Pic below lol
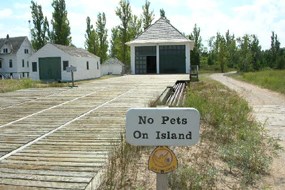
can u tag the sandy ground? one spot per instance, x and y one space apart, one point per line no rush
269 109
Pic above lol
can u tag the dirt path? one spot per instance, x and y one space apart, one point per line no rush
268 108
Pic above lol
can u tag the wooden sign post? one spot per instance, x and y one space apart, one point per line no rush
71 69
162 127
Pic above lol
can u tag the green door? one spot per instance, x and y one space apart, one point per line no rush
172 59
50 68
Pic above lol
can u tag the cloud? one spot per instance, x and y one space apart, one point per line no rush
202 6
5 13
258 17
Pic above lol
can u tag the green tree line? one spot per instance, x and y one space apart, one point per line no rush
241 53
223 52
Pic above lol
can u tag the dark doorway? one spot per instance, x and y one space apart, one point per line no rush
151 64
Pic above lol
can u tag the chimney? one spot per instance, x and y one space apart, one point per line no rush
7 37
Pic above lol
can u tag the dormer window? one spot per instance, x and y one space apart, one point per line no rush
26 51
5 50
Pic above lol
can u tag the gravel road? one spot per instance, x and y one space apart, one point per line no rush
268 108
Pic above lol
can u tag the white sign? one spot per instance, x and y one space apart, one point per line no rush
71 69
163 126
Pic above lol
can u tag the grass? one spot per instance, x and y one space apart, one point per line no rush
270 79
121 164
229 135
13 84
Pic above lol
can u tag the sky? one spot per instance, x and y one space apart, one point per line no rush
240 17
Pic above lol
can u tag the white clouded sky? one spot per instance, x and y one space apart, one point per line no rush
259 17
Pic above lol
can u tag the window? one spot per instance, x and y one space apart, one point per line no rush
26 51
5 50
10 63
0 63
65 64
23 63
87 65
28 64
34 67
97 65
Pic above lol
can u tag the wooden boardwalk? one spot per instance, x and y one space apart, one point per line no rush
60 138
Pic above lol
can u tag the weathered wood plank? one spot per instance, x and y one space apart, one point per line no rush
48 172
48 178
47 163
47 184
29 166
60 159
55 152
16 187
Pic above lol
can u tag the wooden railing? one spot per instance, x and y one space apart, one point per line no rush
173 96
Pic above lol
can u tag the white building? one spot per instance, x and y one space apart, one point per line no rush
161 48
50 63
14 54
112 66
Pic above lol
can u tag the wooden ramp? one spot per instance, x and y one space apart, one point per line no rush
61 138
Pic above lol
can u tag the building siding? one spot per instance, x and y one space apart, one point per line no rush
82 73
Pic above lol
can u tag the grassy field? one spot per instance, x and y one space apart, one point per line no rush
231 142
233 153
12 84
270 79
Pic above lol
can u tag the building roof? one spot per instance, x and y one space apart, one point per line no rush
73 51
160 32
15 42
113 61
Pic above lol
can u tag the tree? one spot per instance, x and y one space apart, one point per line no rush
147 16
115 42
162 13
40 32
101 32
231 48
281 60
211 55
91 42
274 50
245 53
134 27
61 30
125 14
222 57
197 50
256 53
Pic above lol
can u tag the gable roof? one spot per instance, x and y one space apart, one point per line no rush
160 32
73 51
15 42
113 61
